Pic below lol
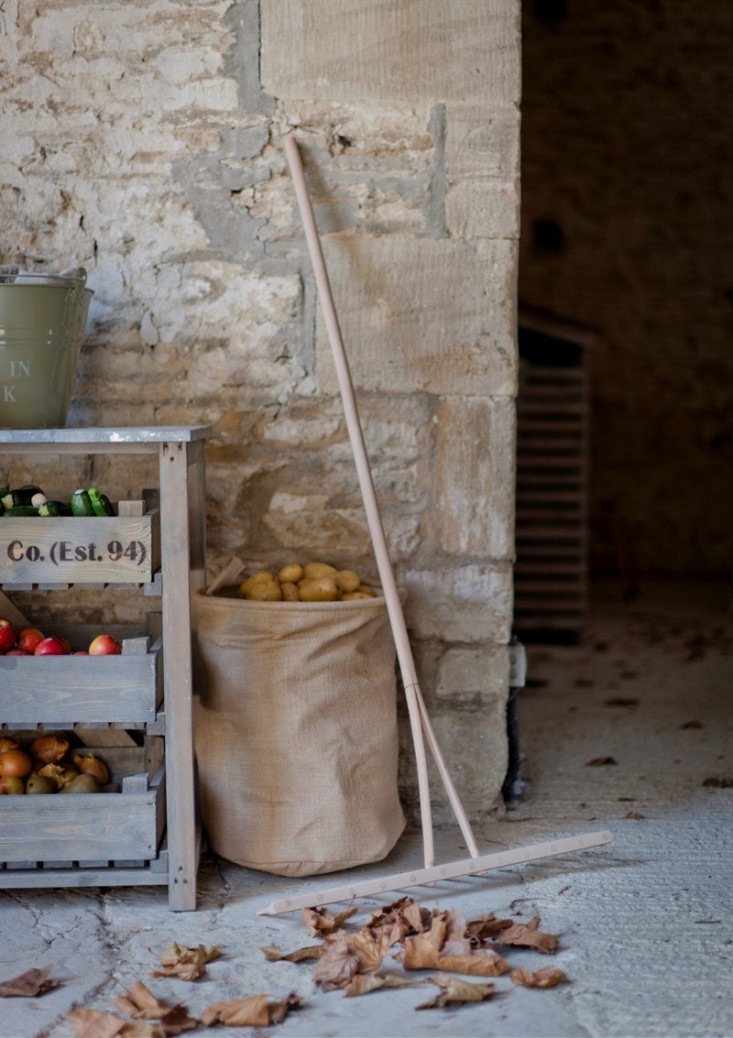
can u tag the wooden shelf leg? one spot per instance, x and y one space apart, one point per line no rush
178 677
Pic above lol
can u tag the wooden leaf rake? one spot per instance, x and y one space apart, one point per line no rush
420 726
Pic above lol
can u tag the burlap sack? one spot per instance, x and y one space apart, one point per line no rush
296 733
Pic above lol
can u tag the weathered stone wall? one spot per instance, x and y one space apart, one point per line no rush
144 141
626 166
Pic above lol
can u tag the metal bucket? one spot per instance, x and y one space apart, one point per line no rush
42 324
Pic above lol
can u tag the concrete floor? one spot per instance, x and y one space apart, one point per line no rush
645 924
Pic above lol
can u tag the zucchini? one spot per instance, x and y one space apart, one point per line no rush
23 496
81 504
100 502
21 512
53 508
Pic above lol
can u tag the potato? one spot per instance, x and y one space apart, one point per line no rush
291 573
318 569
256 578
265 591
354 596
347 580
290 592
369 592
318 589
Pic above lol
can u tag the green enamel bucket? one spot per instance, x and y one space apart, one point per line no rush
42 324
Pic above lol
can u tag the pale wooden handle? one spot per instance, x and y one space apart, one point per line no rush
416 706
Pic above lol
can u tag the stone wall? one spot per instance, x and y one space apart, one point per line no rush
626 203
143 140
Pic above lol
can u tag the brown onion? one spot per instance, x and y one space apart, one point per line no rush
50 748
15 762
7 743
91 765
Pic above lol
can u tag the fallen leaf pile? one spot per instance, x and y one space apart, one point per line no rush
353 960
346 959
141 1005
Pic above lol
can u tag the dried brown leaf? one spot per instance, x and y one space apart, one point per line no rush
91 1023
634 815
599 762
320 920
182 971
486 926
141 1004
456 992
201 954
529 935
420 954
31 984
542 978
347 955
310 951
364 983
401 919
255 1011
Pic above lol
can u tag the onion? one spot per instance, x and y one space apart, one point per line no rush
15 762
92 765
7 743
54 772
49 748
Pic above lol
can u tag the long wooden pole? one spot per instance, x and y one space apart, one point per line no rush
419 719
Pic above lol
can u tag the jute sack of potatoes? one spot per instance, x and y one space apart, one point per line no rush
296 732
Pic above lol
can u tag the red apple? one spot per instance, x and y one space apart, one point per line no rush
52 646
29 638
105 645
12 784
18 652
80 652
7 635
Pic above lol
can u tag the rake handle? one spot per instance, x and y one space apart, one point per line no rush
416 707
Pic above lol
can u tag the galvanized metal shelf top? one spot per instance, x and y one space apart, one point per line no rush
112 436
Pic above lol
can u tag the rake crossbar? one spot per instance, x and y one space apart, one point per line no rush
451 870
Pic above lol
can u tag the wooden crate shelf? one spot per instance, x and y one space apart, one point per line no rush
147 832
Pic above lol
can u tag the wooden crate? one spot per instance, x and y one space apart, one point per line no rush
110 550
63 830
63 690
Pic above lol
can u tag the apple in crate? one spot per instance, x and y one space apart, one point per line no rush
29 638
52 646
7 635
104 645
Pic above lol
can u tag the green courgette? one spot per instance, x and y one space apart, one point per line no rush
54 508
27 495
81 504
100 502
20 512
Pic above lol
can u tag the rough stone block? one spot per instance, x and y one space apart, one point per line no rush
473 744
473 477
391 49
481 141
468 673
483 209
403 333
466 603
